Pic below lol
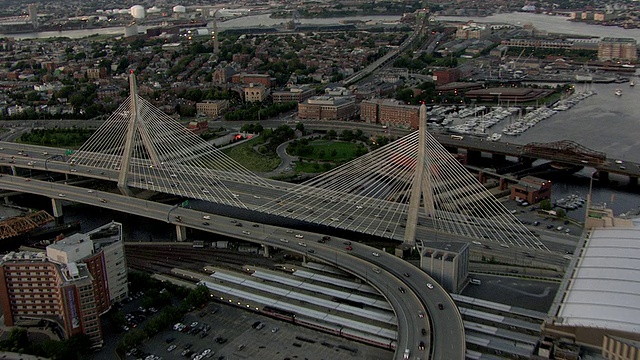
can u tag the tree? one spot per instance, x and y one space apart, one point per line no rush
546 204
300 127
332 134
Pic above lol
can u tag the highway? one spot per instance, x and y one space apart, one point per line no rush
445 330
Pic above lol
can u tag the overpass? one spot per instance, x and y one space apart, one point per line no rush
564 152
445 339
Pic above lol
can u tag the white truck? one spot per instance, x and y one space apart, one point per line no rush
407 354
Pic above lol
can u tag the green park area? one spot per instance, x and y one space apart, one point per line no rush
323 154
253 155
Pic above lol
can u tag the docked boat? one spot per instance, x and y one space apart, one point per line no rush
618 92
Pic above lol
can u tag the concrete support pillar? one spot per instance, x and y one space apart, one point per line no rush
266 250
56 205
181 233
13 170
633 180
499 158
6 200
473 157
482 178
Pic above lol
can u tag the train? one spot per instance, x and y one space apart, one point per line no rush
334 329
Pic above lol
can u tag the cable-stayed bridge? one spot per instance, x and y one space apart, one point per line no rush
387 192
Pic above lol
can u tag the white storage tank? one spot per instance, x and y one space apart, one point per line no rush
137 11
179 9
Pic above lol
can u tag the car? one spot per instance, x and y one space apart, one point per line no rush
90 191
206 217
205 223
504 246
238 224
430 285
424 331
421 345
536 223
617 161
171 348
476 242
567 257
302 244
173 175
275 330
300 236
401 289
326 238
440 306
62 195
376 270
289 231
246 232
103 200
311 251
284 240
375 254
255 225
420 314
233 221
358 207
406 274
349 248
550 226
486 247
256 196
347 242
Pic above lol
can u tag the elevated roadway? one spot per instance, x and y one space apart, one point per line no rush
445 338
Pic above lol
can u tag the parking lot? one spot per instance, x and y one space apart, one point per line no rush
238 339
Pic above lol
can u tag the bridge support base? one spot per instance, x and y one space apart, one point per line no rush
473 157
482 178
13 170
56 206
267 251
503 184
181 233
6 200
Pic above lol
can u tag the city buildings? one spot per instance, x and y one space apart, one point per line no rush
69 286
617 49
389 112
327 108
212 107
255 93
296 93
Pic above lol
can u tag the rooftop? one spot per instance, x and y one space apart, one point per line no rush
604 291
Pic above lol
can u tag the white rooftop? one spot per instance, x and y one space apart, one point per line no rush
605 289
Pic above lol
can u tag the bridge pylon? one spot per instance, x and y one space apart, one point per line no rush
421 190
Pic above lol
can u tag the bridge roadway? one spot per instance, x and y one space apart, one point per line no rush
254 197
626 168
445 338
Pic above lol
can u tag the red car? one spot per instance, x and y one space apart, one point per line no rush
349 248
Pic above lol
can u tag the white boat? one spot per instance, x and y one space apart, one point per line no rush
618 92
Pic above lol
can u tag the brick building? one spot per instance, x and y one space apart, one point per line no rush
71 285
617 49
327 108
389 112
445 76
531 189
244 78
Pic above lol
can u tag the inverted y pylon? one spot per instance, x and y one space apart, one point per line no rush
421 187
405 190
147 149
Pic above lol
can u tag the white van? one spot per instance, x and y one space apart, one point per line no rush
475 281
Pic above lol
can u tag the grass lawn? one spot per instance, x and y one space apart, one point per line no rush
310 168
252 160
322 150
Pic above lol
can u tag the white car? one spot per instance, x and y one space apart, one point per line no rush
256 196
171 348
376 270
284 240
430 285
504 246
299 236
302 244
62 195
375 254
89 191
476 242
246 232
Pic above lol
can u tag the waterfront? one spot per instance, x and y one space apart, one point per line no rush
550 24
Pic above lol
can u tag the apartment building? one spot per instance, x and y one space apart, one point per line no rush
298 94
70 285
617 49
